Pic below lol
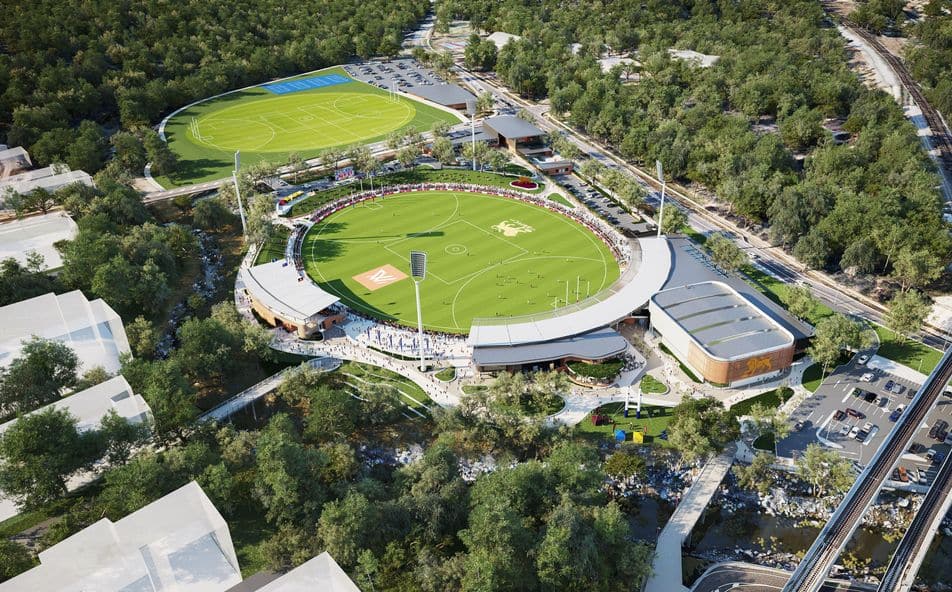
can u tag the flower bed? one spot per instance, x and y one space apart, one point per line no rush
524 183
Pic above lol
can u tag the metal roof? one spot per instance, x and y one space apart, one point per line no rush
318 573
285 291
594 345
36 233
510 126
645 276
720 320
443 94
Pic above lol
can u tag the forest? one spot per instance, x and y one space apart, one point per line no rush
72 72
756 128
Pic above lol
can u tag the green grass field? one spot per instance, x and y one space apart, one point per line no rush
267 126
487 256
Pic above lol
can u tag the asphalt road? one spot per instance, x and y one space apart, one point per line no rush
741 577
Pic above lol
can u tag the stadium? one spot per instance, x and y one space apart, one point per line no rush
303 115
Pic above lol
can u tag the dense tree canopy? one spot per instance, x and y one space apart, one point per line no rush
739 126
67 67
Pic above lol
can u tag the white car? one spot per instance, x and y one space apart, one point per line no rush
845 430
868 377
862 359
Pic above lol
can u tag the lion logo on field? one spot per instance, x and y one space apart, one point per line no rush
511 228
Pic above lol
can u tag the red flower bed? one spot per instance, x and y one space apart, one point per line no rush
525 184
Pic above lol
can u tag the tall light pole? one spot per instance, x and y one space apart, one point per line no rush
234 178
418 273
471 110
660 171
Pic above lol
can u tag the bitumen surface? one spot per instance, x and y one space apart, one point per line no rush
743 577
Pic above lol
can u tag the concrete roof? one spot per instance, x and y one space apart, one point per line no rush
89 406
689 265
594 345
16 155
501 39
178 543
720 320
443 94
90 327
319 573
641 280
36 233
49 183
510 126
285 291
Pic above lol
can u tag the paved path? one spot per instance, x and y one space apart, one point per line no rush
667 576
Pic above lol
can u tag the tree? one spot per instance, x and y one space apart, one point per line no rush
485 102
14 559
825 470
347 527
287 480
916 268
443 64
768 420
801 302
440 129
907 312
725 253
332 414
758 474
164 386
331 156
159 154
408 155
38 376
443 150
625 465
478 150
119 436
39 453
834 334
701 427
213 215
497 160
592 169
674 221
813 249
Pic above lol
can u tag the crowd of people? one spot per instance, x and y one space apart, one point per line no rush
392 337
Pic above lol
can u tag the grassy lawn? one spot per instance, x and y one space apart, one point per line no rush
274 248
777 291
907 352
472 389
268 126
559 199
488 256
417 175
651 385
375 374
653 419
249 530
765 442
812 377
446 374
770 399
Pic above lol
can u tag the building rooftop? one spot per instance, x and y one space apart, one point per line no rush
594 345
89 406
90 327
510 126
36 233
442 94
318 574
721 321
501 39
283 289
12 159
178 543
38 179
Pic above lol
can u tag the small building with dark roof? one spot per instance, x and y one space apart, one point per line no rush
510 131
719 334
592 346
448 95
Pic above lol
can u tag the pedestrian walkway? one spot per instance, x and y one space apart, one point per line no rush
579 404
667 573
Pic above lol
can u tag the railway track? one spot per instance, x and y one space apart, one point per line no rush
920 532
940 132
821 556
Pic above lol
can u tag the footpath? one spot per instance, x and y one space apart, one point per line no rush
667 575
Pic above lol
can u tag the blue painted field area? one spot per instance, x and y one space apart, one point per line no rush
290 86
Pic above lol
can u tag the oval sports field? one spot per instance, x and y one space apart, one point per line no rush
487 256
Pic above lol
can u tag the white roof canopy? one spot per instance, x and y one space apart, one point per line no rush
285 291
36 233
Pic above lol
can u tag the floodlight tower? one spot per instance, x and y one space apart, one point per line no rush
418 273
471 111
234 178
660 171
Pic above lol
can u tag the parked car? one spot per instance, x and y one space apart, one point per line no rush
868 377
903 475
896 388
889 384
862 359
839 415
894 416
916 448
855 413
845 430
869 397
883 401
939 427
854 432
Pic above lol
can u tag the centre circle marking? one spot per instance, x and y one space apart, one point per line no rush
456 249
